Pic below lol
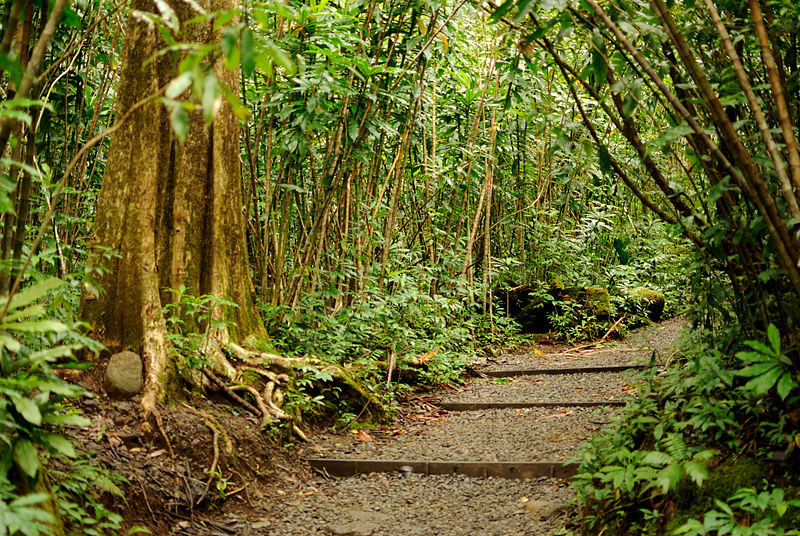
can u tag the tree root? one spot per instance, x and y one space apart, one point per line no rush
257 361
214 462
228 391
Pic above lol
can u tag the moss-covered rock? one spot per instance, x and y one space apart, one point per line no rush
598 301
645 302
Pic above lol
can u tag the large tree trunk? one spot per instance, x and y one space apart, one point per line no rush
172 211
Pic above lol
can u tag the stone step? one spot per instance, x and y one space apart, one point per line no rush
476 406
510 373
514 470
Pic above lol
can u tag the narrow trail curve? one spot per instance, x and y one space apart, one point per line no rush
406 502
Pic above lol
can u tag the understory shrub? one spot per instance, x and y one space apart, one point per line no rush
694 452
38 333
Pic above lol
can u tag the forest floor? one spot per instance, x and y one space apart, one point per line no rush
257 488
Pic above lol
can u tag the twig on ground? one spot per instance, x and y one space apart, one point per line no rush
144 494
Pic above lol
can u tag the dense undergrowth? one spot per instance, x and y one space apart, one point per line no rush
709 446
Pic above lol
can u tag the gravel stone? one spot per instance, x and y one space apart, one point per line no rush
603 387
423 506
496 435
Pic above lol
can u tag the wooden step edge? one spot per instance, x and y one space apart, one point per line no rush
509 373
476 469
476 406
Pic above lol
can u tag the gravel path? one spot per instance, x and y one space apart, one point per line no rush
400 504
496 435
605 387
636 349
415 505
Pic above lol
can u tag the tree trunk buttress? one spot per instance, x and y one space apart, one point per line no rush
171 211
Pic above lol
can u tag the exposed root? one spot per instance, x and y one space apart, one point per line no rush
271 376
228 391
299 433
267 416
214 462
259 360
269 392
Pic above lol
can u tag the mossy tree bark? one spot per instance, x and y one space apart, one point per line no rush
173 211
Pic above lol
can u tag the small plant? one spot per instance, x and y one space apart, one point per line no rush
190 322
747 513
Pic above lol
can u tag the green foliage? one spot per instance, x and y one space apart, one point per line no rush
768 367
34 415
671 445
430 335
190 322
748 513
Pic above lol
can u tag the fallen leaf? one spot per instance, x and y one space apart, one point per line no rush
363 435
429 355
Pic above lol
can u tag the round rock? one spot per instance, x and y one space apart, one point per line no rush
123 378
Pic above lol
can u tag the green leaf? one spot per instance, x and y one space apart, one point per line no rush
525 7
785 385
628 106
35 310
238 110
26 457
180 122
11 343
178 86
281 58
51 354
696 471
210 96
353 129
604 159
655 457
229 48
668 477
33 293
66 420
28 500
774 338
758 369
11 66
500 12
761 384
6 205
248 52
35 326
60 444
599 66
168 15
28 409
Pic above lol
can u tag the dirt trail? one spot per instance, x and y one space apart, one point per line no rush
406 502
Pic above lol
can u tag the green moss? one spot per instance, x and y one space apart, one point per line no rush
645 302
557 284
723 481
646 294
598 301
